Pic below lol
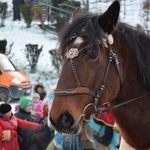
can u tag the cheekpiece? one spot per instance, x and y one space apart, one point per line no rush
72 53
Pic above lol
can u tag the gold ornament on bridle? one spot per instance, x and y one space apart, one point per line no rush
72 53
110 39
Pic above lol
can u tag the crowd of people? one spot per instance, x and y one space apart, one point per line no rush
27 129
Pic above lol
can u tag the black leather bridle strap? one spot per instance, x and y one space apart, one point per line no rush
121 104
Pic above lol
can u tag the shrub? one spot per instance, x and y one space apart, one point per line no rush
27 13
38 13
60 19
3 13
74 3
32 54
56 60
3 44
56 2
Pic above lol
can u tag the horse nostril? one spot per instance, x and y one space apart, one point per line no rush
65 121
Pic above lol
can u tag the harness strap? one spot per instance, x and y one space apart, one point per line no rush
115 59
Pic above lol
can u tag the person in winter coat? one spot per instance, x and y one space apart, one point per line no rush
24 113
108 121
56 143
42 137
16 10
35 100
8 128
39 88
47 102
38 111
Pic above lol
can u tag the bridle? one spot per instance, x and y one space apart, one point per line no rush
73 53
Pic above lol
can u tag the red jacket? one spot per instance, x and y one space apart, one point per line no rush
12 124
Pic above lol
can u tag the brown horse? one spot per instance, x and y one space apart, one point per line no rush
104 62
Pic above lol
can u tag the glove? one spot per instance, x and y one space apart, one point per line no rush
6 134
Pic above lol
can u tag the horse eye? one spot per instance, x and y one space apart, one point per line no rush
92 56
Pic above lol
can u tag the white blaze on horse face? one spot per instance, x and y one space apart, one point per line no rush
78 41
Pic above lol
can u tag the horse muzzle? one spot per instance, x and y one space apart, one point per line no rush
65 124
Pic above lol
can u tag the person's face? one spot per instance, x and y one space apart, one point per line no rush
38 114
39 90
8 114
35 99
28 108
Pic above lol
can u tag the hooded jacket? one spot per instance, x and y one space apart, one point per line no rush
43 94
12 124
24 141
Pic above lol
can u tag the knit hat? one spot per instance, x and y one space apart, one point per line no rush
35 95
5 108
24 102
38 107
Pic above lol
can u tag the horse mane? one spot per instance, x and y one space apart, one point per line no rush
84 25
139 44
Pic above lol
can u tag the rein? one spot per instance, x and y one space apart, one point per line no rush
119 105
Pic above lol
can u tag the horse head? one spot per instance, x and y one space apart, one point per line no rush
104 62
86 44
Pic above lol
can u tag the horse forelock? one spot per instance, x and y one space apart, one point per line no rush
139 44
86 25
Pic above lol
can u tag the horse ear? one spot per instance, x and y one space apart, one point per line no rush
77 13
108 20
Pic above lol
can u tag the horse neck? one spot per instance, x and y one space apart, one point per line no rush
132 83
